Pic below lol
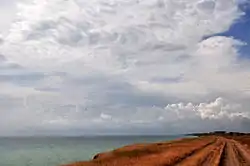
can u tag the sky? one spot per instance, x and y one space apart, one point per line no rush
79 67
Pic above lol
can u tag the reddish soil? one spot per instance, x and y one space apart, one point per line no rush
202 151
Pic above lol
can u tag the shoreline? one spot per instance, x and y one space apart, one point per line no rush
167 152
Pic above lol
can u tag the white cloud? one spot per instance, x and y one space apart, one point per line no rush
105 116
8 10
122 62
213 66
90 33
219 109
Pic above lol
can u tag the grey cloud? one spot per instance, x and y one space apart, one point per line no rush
15 73
144 69
164 47
114 91
1 40
2 58
11 72
47 89
166 79
22 79
7 2
245 124
7 102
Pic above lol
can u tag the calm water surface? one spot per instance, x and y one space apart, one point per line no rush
60 150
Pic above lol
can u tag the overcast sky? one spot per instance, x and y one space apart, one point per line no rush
124 66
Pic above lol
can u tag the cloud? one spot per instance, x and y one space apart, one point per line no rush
218 109
117 67
213 66
8 9
1 39
83 31
216 115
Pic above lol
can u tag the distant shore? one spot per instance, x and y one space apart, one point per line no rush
214 148
219 133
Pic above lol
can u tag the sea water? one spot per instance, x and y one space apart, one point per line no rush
53 151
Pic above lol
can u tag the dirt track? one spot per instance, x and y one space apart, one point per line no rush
225 152
206 151
235 154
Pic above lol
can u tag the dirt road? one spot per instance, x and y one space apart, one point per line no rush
225 152
205 151
235 155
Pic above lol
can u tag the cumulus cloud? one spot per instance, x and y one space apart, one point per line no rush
118 65
218 109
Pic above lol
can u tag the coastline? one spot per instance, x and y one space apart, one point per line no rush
170 152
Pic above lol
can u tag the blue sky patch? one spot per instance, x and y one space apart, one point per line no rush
241 31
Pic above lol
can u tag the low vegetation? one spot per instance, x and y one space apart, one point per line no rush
213 149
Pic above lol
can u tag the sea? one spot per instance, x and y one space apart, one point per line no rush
54 151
